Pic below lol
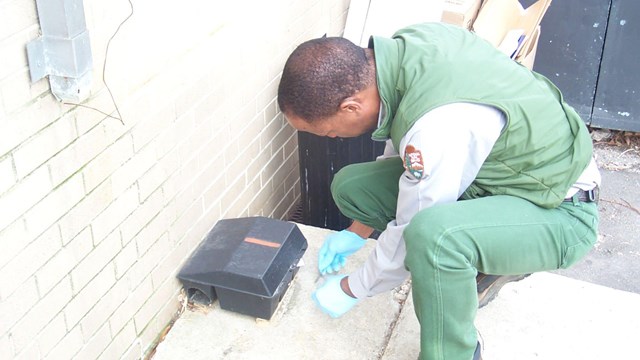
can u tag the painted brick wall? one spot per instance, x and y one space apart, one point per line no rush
96 217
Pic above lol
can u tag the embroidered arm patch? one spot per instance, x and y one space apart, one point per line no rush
413 162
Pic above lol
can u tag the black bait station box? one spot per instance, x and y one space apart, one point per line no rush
246 263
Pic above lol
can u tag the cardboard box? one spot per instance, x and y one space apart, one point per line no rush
498 20
460 12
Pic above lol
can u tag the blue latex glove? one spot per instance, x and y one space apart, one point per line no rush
331 299
337 246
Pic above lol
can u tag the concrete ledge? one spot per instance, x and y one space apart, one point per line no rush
298 330
544 316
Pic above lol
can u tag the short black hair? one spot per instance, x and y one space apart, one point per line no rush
320 74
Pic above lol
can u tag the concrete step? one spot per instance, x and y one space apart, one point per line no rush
545 316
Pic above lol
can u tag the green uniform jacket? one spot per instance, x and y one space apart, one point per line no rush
544 146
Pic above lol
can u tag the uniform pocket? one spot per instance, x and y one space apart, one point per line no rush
584 231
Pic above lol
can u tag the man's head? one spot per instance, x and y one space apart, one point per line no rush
328 88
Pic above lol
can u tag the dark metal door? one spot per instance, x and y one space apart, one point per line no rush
590 49
616 104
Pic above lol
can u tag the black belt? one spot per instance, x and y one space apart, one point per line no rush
586 195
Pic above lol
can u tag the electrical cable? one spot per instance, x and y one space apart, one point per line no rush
104 71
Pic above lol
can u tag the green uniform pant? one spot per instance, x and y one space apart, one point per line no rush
448 244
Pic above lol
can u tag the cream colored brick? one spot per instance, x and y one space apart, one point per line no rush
166 142
43 145
207 108
51 334
55 205
152 232
140 271
86 118
159 324
268 94
125 312
257 204
213 194
14 238
125 259
141 216
80 246
210 160
80 216
25 264
95 262
7 174
287 167
98 169
152 179
236 206
82 302
17 90
284 204
14 58
105 307
169 265
272 202
63 261
134 352
120 343
133 169
6 349
270 111
269 168
192 96
185 221
199 230
231 194
68 346
292 181
96 344
258 163
194 143
77 154
23 15
149 129
114 214
40 315
277 63
18 304
338 17
167 291
31 352
23 196
188 194
25 122
239 204
291 145
2 112
281 138
269 132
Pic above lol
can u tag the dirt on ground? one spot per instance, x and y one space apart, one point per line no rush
617 150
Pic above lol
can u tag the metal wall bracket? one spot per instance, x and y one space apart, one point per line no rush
63 52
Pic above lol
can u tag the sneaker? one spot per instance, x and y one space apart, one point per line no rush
490 285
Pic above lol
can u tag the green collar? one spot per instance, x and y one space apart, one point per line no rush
388 54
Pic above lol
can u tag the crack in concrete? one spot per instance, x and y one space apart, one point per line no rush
400 294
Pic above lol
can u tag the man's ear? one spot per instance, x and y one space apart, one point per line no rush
350 104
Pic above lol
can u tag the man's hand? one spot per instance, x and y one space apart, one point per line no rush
332 299
337 246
